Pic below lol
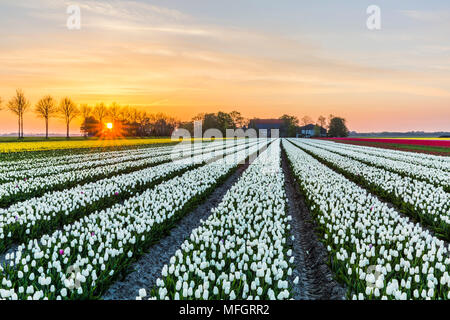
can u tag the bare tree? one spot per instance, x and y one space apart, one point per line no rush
199 117
306 120
114 112
45 108
322 121
238 119
68 111
100 112
135 115
85 111
19 105
330 117
125 114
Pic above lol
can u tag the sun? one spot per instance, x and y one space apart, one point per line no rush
109 125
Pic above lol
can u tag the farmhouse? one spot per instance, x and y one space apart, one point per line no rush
268 124
309 131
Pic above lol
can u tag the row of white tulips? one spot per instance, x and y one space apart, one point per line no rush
375 251
33 217
73 156
421 159
435 176
102 245
426 202
50 167
240 251
76 156
23 189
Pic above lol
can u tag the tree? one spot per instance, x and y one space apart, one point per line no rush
306 120
45 108
330 116
290 124
68 111
1 103
162 125
317 130
85 112
125 114
135 115
188 125
338 128
238 119
199 117
90 127
100 112
210 121
322 121
224 122
114 112
19 105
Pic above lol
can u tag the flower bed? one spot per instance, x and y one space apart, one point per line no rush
240 251
23 189
432 175
375 251
423 201
34 217
419 142
101 246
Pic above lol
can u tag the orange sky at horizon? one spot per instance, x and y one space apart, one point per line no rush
169 61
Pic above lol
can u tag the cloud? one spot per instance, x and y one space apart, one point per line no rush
131 10
118 15
123 9
153 56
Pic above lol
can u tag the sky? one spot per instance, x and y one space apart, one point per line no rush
263 58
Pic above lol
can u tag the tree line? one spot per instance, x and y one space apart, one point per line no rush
126 120
335 126
130 121
220 120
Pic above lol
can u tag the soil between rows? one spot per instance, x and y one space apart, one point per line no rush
316 280
148 268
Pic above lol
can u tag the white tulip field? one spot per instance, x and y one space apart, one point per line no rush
74 225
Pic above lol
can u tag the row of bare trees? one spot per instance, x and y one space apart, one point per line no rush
45 108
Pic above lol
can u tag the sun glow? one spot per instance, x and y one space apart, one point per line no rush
109 125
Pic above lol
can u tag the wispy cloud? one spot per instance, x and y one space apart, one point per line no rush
123 9
131 11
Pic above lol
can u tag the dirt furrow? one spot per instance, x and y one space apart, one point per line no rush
315 277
